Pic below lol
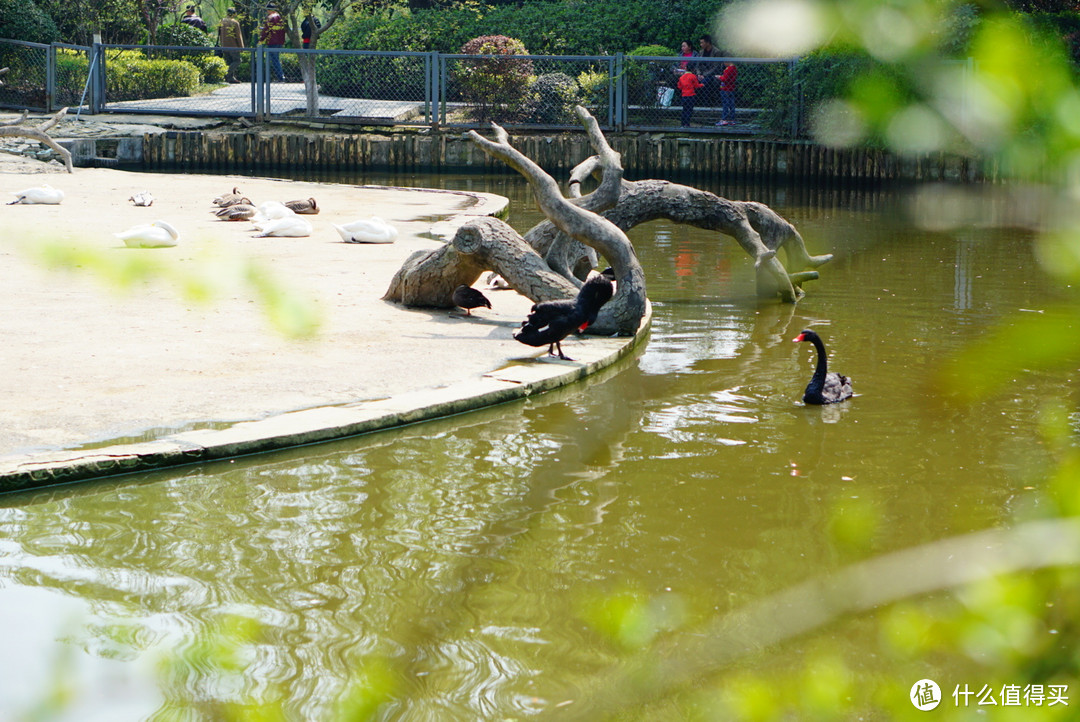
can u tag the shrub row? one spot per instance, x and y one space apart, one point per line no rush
130 75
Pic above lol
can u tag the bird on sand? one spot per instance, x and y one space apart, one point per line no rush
271 210
824 387
142 198
371 230
495 282
44 194
549 322
158 234
239 212
469 298
231 199
290 226
307 206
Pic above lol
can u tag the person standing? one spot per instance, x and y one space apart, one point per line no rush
707 71
688 87
230 35
726 81
273 35
190 18
310 23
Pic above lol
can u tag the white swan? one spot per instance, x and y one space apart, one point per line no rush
158 234
272 210
372 230
291 226
44 194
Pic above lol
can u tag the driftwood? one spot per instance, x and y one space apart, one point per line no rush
758 229
15 129
429 278
552 258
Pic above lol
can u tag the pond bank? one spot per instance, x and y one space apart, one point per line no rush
101 383
210 144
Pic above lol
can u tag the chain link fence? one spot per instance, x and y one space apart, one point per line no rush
756 97
24 81
534 91
383 88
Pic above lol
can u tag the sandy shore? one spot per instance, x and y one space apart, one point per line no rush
82 362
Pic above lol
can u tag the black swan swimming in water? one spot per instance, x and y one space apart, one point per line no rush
549 322
469 298
824 387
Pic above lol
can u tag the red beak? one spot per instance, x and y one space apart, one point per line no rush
798 338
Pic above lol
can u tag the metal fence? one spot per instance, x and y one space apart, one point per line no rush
365 87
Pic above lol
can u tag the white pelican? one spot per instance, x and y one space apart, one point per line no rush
291 226
372 230
158 234
44 194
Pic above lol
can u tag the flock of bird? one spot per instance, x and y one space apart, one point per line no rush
269 219
548 323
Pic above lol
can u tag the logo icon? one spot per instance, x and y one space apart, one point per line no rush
925 695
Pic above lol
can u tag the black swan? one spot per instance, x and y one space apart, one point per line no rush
468 297
824 387
549 322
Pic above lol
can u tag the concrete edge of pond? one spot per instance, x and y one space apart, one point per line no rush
517 380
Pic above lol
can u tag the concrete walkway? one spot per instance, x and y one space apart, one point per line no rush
285 99
96 381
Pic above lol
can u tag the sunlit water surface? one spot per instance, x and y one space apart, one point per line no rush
459 564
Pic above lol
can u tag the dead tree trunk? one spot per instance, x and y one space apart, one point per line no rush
758 229
14 129
431 277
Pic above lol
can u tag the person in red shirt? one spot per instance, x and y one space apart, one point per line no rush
689 84
273 34
727 94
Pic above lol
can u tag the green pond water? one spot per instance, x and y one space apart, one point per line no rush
469 567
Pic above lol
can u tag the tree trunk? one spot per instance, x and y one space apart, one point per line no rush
428 278
14 129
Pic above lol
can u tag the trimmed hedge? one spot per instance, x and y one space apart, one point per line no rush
130 75
574 27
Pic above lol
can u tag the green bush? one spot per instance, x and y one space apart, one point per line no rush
183 34
552 98
129 75
23 20
211 67
594 88
644 76
584 27
495 87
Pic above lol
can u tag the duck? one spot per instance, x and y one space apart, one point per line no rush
303 207
824 387
231 199
44 194
158 234
143 198
290 226
272 210
469 298
549 322
239 212
372 230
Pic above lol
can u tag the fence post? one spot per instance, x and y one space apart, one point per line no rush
257 83
50 78
97 75
618 93
432 90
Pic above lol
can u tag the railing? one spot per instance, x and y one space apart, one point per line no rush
400 88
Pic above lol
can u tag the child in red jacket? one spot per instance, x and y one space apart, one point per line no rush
688 87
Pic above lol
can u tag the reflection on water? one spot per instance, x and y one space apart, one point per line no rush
464 554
